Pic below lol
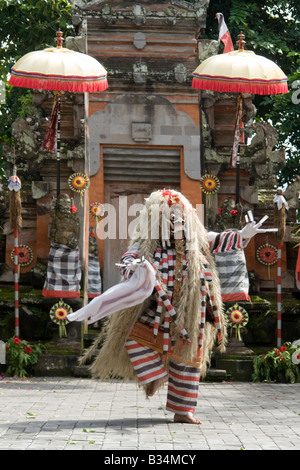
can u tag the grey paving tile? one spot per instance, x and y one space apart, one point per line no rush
82 414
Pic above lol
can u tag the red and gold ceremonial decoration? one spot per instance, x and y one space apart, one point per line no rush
237 317
267 255
25 255
79 183
59 315
97 211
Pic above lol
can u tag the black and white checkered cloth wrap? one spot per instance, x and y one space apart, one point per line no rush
63 272
233 275
94 276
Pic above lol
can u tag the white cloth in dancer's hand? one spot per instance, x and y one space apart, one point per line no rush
124 295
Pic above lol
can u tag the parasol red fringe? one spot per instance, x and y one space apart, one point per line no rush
239 86
61 84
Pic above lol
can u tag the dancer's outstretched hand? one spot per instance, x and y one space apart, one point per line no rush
252 228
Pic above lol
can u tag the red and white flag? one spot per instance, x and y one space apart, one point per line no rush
224 34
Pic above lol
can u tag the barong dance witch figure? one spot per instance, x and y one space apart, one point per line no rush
166 315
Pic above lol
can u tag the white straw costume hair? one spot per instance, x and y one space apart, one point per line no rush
165 211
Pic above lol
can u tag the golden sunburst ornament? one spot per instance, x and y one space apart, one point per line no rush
209 185
237 317
59 315
79 183
97 210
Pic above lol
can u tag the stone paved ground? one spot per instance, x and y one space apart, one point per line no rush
83 414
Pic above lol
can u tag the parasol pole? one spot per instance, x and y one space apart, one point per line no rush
51 142
236 156
58 145
59 44
237 183
241 43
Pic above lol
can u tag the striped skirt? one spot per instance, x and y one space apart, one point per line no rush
183 380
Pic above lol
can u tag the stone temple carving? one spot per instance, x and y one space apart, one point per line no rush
64 224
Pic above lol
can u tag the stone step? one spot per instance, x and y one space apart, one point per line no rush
213 375
216 375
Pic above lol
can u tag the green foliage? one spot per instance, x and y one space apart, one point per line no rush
278 365
284 112
21 356
26 101
28 25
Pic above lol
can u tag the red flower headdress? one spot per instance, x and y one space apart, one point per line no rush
173 198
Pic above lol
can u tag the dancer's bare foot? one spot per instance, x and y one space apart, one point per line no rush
186 419
153 386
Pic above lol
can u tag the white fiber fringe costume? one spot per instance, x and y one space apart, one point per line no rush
171 289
